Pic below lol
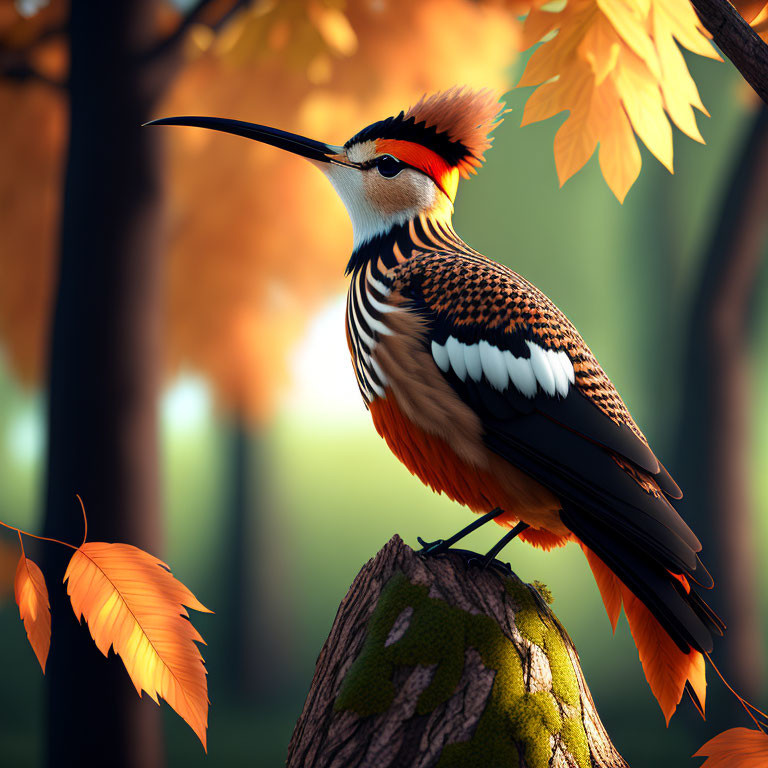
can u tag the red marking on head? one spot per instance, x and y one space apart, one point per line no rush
465 116
427 161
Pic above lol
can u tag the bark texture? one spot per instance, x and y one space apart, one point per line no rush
737 40
434 663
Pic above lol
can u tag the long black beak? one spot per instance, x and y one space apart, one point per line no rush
291 142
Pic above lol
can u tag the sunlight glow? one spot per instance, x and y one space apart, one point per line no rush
24 436
186 404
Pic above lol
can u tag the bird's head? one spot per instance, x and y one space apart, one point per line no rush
397 168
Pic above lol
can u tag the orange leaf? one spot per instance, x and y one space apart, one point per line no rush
34 608
638 81
750 9
736 748
131 602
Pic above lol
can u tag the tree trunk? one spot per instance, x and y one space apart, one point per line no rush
105 368
430 662
713 462
259 662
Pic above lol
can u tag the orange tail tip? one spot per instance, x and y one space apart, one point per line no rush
736 748
667 669
608 584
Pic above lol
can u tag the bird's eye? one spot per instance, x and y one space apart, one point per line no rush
389 166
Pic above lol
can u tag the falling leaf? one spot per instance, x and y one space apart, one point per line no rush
131 602
736 748
34 608
616 67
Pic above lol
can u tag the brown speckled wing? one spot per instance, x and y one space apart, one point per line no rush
473 299
486 299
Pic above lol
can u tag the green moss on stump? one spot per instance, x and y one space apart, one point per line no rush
438 635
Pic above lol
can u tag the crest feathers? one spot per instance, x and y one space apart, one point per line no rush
465 117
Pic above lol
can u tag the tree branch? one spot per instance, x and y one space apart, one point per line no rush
431 662
737 40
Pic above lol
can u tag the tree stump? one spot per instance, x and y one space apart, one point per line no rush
431 662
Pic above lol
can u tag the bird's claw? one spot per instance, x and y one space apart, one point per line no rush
484 562
471 559
436 547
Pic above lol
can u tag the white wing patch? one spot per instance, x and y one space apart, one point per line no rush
545 369
521 374
440 353
542 368
472 360
494 367
455 351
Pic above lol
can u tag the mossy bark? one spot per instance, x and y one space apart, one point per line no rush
433 664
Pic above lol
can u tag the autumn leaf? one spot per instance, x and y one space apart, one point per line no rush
750 9
736 748
616 66
34 608
131 602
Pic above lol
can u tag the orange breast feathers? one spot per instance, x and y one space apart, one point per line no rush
435 463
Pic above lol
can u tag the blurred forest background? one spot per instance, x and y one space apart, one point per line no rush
172 348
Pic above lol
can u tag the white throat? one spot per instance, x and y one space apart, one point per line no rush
367 221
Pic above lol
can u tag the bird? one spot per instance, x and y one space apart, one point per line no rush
485 390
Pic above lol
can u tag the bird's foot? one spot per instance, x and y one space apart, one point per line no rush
431 548
471 559
484 563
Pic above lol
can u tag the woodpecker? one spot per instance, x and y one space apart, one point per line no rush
481 386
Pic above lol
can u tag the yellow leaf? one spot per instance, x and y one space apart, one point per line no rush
131 602
35 611
574 145
640 81
553 57
575 141
641 97
685 25
620 159
632 28
600 47
677 87
538 23
736 748
543 103
334 28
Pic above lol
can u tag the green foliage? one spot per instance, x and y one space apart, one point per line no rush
544 591
439 634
